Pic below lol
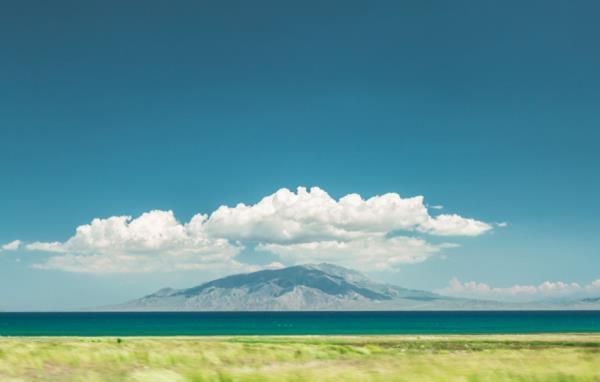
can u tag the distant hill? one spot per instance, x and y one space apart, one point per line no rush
302 287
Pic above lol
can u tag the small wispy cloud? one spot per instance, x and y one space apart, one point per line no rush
12 246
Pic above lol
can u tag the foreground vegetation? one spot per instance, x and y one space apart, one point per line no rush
386 358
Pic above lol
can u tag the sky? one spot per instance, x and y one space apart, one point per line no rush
441 146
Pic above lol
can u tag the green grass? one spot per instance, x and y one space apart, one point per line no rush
527 358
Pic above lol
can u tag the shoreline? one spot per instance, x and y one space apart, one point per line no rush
425 336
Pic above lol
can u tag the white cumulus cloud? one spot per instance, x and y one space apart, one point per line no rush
303 226
311 215
153 241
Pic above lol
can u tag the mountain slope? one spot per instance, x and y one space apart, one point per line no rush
305 287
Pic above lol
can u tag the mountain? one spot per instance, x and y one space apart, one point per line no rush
301 287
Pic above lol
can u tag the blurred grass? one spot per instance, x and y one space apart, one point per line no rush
526 358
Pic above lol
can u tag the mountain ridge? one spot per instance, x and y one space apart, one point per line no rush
300 287
315 287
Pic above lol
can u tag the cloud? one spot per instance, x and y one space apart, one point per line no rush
12 246
547 288
436 207
367 253
313 215
303 226
453 225
153 241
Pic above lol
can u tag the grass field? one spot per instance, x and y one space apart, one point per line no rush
524 358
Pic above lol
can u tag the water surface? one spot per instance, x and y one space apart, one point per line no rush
294 323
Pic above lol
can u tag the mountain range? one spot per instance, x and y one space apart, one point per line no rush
315 287
302 287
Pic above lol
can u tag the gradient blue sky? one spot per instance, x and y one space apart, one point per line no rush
488 108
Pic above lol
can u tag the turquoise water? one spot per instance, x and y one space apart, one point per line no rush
294 323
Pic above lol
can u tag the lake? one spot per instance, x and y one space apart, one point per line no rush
294 323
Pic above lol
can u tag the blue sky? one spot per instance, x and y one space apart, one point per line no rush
487 108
